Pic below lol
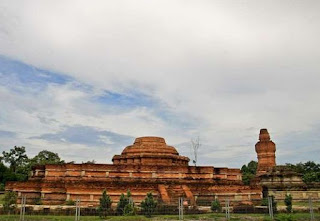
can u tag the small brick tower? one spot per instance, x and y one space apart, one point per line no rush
265 149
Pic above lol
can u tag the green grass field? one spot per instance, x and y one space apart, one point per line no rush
210 216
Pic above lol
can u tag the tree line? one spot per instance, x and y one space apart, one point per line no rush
310 171
15 165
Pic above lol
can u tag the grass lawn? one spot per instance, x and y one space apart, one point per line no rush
210 216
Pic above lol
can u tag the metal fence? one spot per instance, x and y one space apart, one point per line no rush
181 208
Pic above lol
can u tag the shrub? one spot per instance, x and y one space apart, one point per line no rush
129 210
105 204
123 202
10 201
70 202
148 205
215 206
37 201
288 202
1 187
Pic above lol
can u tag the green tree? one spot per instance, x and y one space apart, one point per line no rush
105 204
129 209
148 205
10 201
288 203
249 172
46 157
310 171
123 202
216 206
16 157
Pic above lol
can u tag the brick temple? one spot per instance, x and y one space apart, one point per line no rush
149 165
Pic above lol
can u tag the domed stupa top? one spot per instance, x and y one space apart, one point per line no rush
150 151
146 145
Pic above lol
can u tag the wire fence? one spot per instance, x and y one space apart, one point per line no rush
181 208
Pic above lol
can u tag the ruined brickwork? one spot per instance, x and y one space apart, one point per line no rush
265 149
149 165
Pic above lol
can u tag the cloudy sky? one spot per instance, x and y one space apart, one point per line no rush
84 78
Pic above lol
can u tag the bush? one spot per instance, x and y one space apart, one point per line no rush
130 210
37 201
105 204
215 206
288 203
10 201
70 202
284 217
1 187
148 205
123 203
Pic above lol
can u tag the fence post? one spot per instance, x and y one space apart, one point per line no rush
23 207
77 216
311 208
180 208
227 202
270 207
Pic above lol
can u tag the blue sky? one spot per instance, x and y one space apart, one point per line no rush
85 81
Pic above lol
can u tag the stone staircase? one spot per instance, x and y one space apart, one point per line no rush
175 191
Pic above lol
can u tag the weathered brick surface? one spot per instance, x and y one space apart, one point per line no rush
265 149
149 165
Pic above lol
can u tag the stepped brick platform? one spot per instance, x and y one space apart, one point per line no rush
149 165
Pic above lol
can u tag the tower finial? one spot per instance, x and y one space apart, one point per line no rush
265 149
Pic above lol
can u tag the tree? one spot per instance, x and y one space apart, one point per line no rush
129 209
216 206
195 145
16 157
148 205
310 171
105 204
46 157
249 172
10 201
288 203
123 202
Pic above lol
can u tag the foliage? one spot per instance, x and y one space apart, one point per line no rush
9 201
284 217
130 210
288 202
70 202
105 204
37 201
20 165
123 202
215 206
264 202
16 157
46 157
2 187
249 172
148 205
310 171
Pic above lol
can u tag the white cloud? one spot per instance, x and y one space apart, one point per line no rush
222 67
